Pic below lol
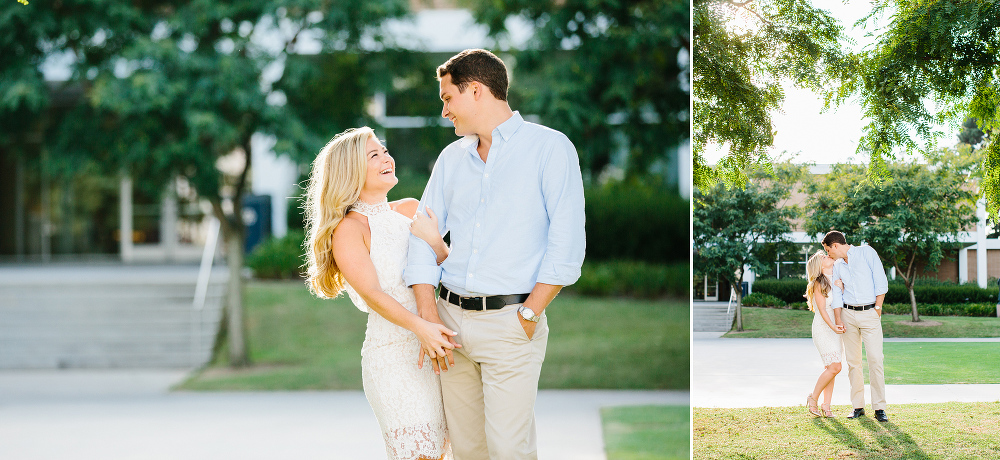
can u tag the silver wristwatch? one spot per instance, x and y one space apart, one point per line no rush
528 314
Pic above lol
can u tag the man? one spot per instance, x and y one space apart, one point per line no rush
865 285
511 195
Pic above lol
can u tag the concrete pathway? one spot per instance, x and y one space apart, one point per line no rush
735 372
111 415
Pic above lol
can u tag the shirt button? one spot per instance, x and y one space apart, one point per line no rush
475 251
477 225
482 200
470 276
487 175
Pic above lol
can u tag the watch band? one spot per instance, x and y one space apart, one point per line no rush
534 318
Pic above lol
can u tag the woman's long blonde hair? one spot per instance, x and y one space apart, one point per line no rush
814 270
337 177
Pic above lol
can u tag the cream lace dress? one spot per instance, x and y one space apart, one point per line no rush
829 343
406 400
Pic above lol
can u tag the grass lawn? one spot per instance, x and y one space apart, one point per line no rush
914 431
925 363
759 322
298 342
646 432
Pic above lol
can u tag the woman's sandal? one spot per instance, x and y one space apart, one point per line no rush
811 404
826 410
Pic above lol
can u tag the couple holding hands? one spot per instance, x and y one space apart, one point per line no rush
846 289
510 194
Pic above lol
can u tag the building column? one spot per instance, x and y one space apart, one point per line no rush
684 170
46 204
168 223
981 243
125 219
963 265
19 208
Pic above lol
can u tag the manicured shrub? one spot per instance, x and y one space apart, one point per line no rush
279 258
763 300
632 278
798 305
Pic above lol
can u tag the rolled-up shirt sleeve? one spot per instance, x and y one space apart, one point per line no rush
562 189
421 262
837 297
879 280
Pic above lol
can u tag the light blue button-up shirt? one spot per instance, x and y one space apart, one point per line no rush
515 220
863 276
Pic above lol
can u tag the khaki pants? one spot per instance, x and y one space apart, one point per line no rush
864 327
489 395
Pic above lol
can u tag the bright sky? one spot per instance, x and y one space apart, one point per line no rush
822 138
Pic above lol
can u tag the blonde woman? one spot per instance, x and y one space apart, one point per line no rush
358 242
820 295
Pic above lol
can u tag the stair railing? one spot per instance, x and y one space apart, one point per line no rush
201 289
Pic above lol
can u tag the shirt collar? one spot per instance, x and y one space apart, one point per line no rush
509 127
505 129
469 142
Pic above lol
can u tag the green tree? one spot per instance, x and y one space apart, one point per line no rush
970 133
595 69
935 62
911 221
171 89
745 50
739 228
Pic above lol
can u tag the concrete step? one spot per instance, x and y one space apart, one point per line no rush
711 317
106 316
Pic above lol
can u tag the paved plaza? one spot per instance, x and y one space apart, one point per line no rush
110 415
735 372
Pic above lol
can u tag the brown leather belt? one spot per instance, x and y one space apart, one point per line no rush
490 302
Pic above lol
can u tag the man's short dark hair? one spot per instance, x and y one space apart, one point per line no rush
834 237
476 65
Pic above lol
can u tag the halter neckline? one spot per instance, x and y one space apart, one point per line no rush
370 209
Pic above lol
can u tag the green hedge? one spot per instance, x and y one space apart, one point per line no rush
633 278
988 310
788 290
935 309
279 258
628 221
792 290
762 300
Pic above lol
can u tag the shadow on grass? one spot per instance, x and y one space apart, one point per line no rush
890 441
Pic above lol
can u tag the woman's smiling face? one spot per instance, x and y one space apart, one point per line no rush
381 167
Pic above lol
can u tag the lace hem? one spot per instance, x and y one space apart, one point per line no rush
417 443
830 358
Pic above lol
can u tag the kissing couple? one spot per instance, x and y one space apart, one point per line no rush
452 374
846 290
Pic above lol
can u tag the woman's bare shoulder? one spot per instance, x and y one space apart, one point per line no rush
406 206
353 223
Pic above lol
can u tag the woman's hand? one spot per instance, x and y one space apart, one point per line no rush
425 227
435 342
840 284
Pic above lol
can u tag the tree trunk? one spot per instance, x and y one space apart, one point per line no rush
913 303
234 299
738 288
